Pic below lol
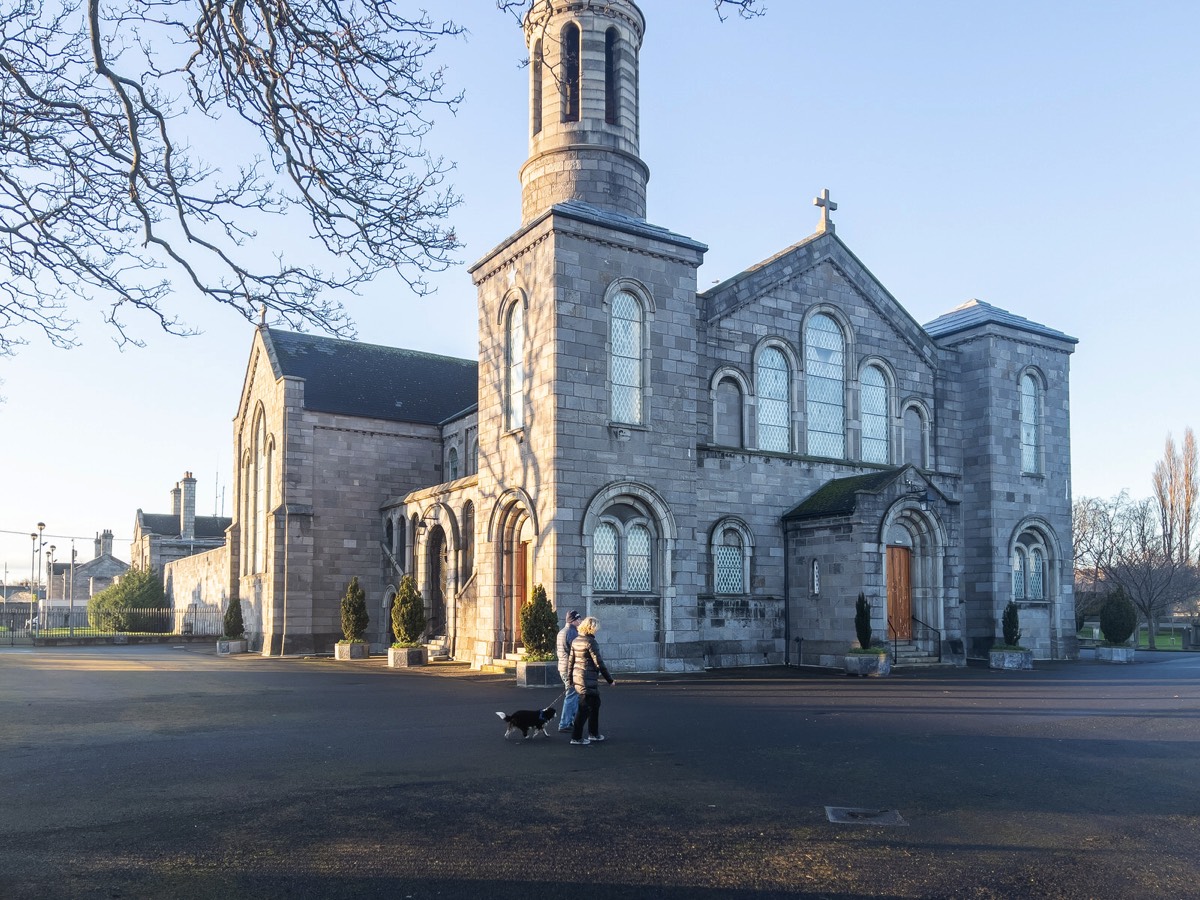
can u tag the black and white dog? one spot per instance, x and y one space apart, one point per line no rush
526 719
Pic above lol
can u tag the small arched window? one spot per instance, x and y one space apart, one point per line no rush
623 548
727 413
401 546
474 455
604 557
773 387
1018 574
825 381
610 76
570 73
389 536
515 359
730 560
1031 425
875 417
914 437
625 335
468 540
452 464
816 578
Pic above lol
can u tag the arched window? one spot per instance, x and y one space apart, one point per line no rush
1031 425
730 551
623 547
515 359
536 92
625 334
875 416
1036 575
727 413
401 547
468 540
570 73
610 76
1018 574
825 379
262 491
816 578
389 536
604 557
452 464
773 388
914 438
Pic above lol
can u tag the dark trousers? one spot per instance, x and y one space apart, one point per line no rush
589 711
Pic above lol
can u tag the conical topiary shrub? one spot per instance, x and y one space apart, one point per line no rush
862 621
539 626
1118 618
235 628
1010 624
354 612
408 614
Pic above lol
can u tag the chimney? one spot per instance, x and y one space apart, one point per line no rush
187 514
98 545
175 500
105 542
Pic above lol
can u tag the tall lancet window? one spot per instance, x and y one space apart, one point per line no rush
610 76
536 92
262 495
825 360
570 72
1031 426
774 388
515 359
626 365
876 421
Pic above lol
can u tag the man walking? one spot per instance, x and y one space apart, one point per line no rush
563 648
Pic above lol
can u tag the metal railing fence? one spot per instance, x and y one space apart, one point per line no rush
62 622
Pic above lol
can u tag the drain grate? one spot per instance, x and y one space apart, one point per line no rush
854 815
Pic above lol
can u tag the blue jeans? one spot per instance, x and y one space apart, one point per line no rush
570 707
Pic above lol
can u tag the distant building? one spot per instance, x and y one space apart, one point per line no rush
85 579
160 538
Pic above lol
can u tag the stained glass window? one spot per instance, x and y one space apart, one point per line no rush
1030 425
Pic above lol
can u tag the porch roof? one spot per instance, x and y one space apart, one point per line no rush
839 497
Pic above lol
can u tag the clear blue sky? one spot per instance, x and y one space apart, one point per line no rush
1042 157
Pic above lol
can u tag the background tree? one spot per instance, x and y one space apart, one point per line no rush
118 186
354 611
122 606
1175 490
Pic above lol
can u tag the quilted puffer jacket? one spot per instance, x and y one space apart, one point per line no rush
585 664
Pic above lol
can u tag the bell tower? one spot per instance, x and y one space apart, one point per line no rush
583 107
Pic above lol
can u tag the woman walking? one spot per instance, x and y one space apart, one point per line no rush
585 665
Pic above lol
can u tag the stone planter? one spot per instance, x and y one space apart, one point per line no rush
1115 654
229 647
350 650
868 665
538 674
407 657
1011 659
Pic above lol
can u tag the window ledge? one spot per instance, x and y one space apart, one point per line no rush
623 431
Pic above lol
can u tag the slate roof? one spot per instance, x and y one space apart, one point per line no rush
839 497
166 525
376 382
975 313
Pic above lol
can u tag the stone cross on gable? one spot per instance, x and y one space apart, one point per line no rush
827 206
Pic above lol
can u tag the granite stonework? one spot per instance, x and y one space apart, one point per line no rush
542 477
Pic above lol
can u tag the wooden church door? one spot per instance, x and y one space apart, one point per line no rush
899 589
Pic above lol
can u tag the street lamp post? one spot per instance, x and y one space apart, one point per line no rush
71 614
49 581
32 572
37 592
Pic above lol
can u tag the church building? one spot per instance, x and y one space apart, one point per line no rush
716 475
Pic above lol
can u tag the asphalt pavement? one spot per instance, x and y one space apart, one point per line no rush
153 772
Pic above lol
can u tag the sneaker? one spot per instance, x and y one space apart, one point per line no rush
567 728
596 737
584 742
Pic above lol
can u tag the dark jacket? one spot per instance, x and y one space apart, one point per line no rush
562 648
585 663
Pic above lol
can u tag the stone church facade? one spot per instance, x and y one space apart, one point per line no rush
716 475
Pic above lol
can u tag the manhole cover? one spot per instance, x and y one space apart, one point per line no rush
855 815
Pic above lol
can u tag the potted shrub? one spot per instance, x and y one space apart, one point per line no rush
1010 654
234 638
867 659
354 623
539 627
1118 620
408 624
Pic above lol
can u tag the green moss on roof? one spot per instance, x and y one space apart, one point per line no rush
840 496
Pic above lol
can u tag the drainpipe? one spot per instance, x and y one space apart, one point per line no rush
787 599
